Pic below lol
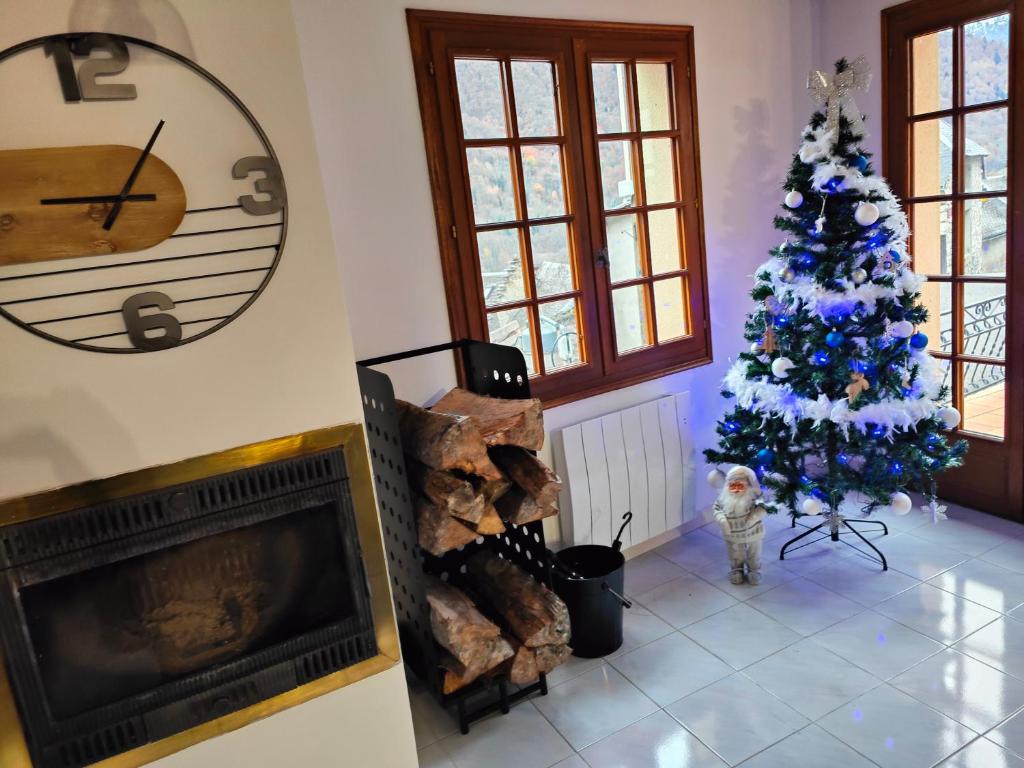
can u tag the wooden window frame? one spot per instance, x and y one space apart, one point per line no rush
436 37
993 478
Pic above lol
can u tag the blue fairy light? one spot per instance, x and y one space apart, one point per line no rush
835 184
933 439
821 357
878 431
819 494
805 479
806 260
858 366
907 391
877 240
834 338
782 321
843 458
731 426
896 468
894 367
871 370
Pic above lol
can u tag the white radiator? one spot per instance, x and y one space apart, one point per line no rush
639 460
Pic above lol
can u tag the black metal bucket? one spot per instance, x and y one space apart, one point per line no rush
590 579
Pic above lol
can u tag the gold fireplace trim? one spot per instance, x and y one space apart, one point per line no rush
350 437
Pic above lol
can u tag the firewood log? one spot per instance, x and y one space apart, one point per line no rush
535 614
444 441
529 473
522 667
437 531
490 522
457 675
550 656
517 507
456 495
458 626
492 490
500 421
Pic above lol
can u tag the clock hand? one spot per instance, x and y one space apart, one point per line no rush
96 199
116 209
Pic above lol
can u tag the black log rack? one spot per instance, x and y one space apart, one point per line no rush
494 370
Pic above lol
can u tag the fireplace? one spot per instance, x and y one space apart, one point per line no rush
130 619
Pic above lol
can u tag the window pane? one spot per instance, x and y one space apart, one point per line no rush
630 309
512 328
617 175
933 157
559 334
481 98
652 86
663 227
490 181
947 379
611 97
534 85
984 315
552 265
938 300
501 266
985 236
625 259
985 151
670 309
932 242
986 59
659 171
933 71
984 399
542 176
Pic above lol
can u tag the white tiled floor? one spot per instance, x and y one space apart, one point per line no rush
829 663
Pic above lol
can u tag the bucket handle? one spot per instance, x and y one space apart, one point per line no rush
625 602
617 544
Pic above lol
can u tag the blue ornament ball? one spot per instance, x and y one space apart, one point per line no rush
834 339
919 341
862 163
765 457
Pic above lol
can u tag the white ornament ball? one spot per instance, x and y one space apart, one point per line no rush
900 503
949 416
756 348
781 366
859 275
866 214
903 329
811 507
794 199
787 274
716 478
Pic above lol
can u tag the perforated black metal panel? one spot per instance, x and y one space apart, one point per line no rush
493 370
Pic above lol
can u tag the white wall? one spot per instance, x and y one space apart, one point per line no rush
751 58
285 366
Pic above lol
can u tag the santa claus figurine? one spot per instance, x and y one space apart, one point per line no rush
739 515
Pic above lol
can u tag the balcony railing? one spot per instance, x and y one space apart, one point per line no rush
984 336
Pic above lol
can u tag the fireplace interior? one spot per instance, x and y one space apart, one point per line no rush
128 621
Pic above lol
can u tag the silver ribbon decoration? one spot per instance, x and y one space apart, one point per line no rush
836 93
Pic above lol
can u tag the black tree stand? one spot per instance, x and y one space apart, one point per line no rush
490 369
835 522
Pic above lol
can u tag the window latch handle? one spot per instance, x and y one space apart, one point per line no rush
601 257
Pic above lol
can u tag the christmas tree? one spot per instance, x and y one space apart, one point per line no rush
838 394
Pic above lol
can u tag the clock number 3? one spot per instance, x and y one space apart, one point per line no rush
138 323
272 185
84 87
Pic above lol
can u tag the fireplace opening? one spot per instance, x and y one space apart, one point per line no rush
123 628
127 621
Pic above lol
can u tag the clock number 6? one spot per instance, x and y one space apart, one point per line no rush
272 185
84 87
137 323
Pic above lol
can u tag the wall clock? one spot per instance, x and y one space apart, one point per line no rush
141 204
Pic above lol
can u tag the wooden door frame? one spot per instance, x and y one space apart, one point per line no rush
993 476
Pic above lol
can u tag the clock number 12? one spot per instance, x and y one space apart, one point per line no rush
84 87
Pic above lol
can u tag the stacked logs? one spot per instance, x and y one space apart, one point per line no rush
536 624
471 465
470 461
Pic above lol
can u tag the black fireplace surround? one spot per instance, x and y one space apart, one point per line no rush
129 621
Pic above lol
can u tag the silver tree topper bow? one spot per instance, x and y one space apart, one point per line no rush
836 93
